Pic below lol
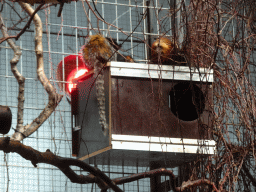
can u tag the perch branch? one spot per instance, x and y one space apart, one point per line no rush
20 79
155 172
63 164
163 171
54 97
95 176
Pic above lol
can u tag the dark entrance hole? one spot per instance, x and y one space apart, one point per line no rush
187 101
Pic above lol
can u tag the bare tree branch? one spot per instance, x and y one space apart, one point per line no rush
63 164
54 97
6 38
95 176
20 79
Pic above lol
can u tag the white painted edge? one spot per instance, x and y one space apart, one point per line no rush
154 71
162 140
168 75
171 148
146 66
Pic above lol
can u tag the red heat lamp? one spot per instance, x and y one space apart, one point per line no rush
71 71
73 75
74 67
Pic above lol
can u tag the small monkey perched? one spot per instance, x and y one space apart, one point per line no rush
96 53
165 52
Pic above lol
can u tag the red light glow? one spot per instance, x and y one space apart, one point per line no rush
73 75
72 64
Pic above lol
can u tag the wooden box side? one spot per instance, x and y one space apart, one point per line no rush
141 106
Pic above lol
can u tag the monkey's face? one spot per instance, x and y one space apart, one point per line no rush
162 49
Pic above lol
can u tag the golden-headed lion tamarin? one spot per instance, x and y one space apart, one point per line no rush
97 52
100 48
165 51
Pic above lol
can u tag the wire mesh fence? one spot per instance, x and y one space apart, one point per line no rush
133 23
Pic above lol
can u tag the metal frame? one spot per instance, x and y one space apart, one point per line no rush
155 71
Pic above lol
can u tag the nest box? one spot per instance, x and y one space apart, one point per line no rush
154 113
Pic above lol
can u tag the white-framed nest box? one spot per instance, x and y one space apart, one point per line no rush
154 113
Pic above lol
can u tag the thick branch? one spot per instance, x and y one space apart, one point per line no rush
54 97
155 172
63 164
163 171
95 176
20 79
134 177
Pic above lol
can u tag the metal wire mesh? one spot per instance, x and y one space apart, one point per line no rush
62 37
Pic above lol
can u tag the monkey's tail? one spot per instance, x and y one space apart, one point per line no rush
100 94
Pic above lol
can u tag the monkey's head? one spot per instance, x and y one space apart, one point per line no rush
162 50
97 48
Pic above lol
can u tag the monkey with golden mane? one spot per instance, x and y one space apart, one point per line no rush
165 51
96 52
